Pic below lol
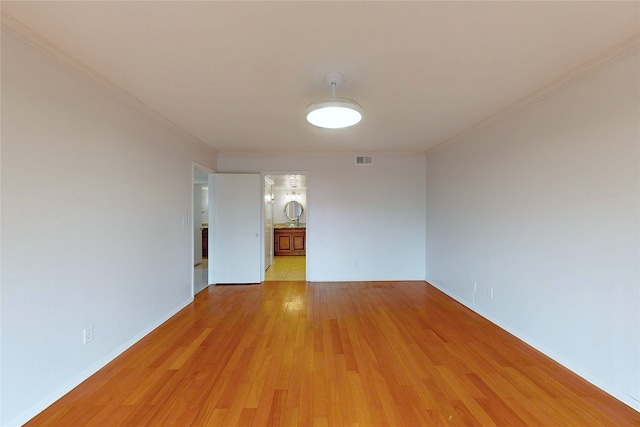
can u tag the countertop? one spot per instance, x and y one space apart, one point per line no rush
287 225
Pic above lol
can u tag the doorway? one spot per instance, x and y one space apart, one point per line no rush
286 226
200 217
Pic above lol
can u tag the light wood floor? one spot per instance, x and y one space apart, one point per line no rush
202 264
333 354
287 268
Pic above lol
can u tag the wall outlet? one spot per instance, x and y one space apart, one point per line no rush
490 293
87 335
475 286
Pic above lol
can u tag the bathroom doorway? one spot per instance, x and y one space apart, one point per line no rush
200 228
286 226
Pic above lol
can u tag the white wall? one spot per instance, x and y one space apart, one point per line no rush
93 198
371 215
544 208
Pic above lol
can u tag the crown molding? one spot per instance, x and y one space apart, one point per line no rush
321 154
15 28
625 48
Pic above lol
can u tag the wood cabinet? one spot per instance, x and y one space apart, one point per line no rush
289 241
205 243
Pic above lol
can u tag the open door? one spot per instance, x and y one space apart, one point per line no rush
235 246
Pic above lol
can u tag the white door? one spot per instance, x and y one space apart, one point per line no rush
235 248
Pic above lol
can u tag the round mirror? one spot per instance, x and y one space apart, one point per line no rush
293 210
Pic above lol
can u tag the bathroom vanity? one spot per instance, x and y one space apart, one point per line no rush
289 240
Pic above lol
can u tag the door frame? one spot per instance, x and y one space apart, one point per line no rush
307 214
267 259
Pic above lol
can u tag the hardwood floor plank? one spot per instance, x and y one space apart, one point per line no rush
188 351
237 406
149 387
291 416
494 406
305 408
78 416
247 416
333 354
265 403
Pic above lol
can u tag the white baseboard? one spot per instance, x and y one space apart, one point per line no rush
43 404
607 388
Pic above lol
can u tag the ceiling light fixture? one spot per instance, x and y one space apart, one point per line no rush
336 113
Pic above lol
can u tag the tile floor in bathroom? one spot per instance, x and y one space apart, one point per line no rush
284 268
287 268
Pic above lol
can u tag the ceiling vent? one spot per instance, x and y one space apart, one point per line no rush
364 160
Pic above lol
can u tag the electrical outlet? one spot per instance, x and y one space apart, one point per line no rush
490 293
475 286
87 335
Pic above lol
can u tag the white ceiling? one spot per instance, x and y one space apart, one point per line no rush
238 75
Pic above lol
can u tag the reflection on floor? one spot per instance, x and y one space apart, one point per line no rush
287 268
200 276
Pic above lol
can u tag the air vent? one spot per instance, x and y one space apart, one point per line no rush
364 160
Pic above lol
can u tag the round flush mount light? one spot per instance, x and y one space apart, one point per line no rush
335 113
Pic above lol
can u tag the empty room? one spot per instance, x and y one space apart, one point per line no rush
221 213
